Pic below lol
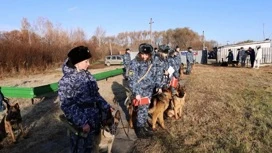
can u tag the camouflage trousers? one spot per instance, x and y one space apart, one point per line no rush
142 115
189 68
90 144
126 70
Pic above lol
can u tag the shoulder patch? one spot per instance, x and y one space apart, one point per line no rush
130 72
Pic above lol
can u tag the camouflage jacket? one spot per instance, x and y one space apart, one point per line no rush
161 66
80 99
138 68
126 59
178 58
190 57
173 62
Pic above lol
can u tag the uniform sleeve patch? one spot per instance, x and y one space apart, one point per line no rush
130 72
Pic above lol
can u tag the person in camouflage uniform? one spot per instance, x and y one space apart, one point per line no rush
160 62
126 61
178 59
81 102
173 62
177 55
142 78
190 60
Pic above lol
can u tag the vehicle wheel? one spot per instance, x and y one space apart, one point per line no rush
108 64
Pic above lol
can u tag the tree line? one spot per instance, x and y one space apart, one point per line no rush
43 45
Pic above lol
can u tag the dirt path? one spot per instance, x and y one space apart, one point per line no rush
45 132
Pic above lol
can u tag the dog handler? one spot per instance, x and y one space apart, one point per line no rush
81 102
142 78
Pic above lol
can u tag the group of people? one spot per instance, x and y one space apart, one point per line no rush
149 73
254 57
83 106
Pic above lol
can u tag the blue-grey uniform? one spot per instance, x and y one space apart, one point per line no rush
144 88
243 56
126 61
161 64
189 60
82 104
173 63
178 58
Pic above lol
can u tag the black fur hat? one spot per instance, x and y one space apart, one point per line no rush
145 48
79 54
164 49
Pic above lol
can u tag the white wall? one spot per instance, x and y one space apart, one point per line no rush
266 46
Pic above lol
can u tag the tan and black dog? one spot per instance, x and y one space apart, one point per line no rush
104 140
108 134
178 103
161 103
11 121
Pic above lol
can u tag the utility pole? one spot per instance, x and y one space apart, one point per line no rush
110 48
203 40
151 22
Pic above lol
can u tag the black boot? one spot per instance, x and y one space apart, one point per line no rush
143 133
140 132
148 131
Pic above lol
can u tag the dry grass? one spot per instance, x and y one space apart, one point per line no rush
226 110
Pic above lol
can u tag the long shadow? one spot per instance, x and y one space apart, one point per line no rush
120 95
45 133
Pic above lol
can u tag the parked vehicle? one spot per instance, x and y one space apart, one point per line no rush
114 60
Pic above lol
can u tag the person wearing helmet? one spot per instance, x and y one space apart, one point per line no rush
142 78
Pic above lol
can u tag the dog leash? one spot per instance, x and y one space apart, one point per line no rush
122 121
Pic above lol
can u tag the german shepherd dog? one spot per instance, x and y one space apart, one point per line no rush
11 121
161 103
178 102
131 110
108 133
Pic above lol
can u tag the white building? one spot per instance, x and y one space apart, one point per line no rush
265 45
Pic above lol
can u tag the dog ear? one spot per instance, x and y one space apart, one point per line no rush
17 106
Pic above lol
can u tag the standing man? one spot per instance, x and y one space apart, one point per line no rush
126 62
161 64
178 61
258 59
189 60
252 56
238 56
243 56
230 57
142 78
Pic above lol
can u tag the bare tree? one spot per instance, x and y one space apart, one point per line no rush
100 34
